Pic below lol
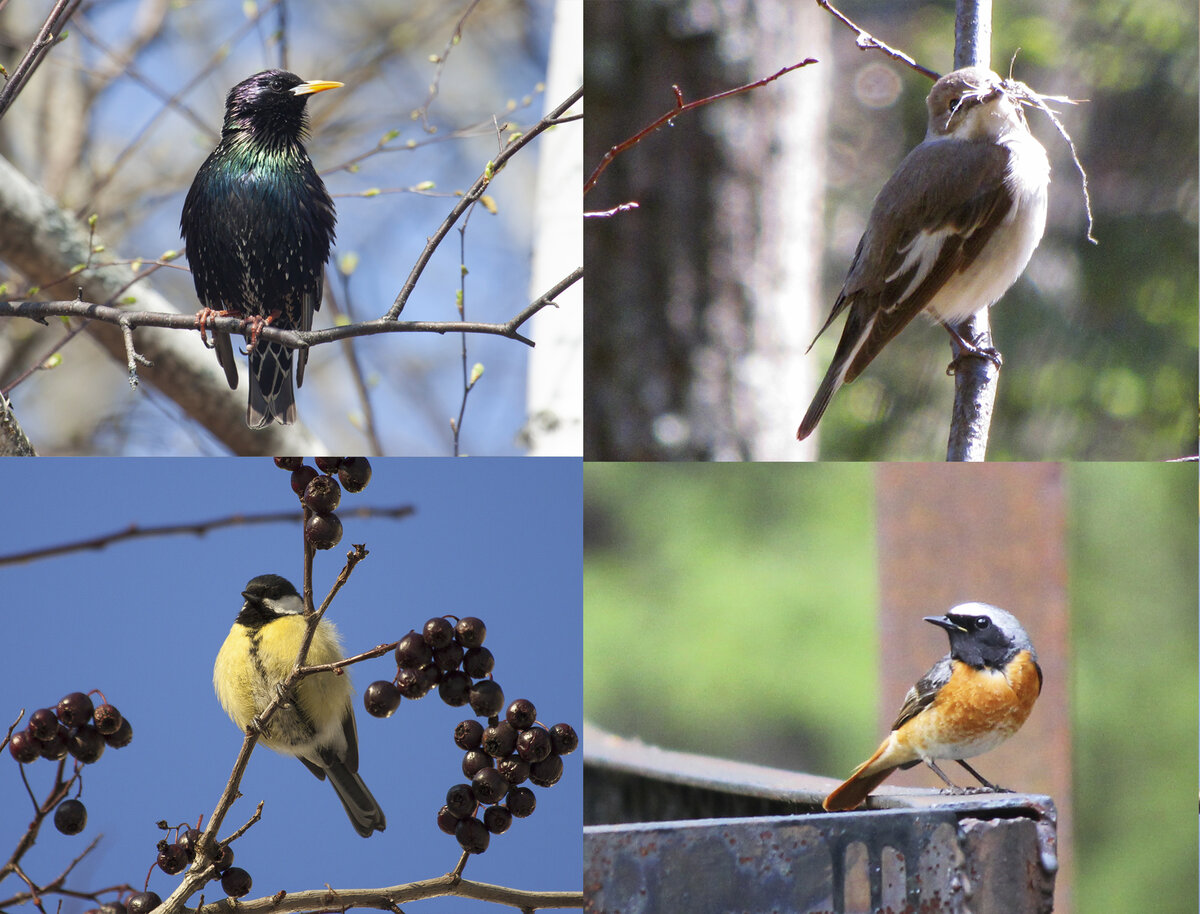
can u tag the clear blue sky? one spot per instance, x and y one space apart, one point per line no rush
143 620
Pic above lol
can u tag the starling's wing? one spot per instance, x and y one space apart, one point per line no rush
203 257
913 244
311 303
921 695
319 222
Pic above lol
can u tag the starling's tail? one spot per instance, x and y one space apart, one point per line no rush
271 396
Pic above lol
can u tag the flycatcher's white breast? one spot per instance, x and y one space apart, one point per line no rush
1007 252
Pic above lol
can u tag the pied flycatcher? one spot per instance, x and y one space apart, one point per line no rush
950 231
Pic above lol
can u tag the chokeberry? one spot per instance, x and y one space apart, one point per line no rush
75 709
23 747
468 734
487 698
354 473
43 723
86 744
381 698
108 720
521 714
546 772
563 739
143 902
323 531
520 802
471 835
470 631
438 633
236 882
70 817
497 819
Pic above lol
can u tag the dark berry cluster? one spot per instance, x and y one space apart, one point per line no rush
175 856
320 492
75 727
500 757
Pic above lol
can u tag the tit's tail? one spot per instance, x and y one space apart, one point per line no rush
866 777
365 814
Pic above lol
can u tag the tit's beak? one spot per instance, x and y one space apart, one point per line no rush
316 85
945 622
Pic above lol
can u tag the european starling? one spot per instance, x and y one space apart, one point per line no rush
258 224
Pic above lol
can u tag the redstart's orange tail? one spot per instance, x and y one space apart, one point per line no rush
850 794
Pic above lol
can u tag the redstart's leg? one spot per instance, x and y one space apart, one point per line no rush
954 788
982 780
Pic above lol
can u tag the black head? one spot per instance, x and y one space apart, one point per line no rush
272 103
983 635
268 596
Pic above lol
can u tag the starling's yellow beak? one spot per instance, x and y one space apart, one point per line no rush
315 85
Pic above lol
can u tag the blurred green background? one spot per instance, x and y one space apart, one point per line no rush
725 604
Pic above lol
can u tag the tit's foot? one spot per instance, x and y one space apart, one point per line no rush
255 323
204 316
285 695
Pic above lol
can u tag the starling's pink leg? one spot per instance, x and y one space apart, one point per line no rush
256 324
204 315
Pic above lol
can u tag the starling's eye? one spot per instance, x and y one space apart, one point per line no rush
955 102
982 622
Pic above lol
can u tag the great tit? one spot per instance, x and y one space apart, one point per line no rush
316 722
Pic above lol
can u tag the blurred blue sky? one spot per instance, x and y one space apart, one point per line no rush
143 621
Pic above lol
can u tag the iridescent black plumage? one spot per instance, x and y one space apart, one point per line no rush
258 224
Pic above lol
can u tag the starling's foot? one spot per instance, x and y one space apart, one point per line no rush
204 315
256 322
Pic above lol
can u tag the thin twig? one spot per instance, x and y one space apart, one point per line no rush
867 42
680 108
476 191
451 43
47 37
200 528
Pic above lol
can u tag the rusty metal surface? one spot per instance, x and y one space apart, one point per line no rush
707 835
884 861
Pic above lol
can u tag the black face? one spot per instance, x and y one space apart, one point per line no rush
262 594
978 641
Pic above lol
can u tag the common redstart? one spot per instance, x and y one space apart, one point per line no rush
973 699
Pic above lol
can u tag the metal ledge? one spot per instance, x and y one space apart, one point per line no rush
710 835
